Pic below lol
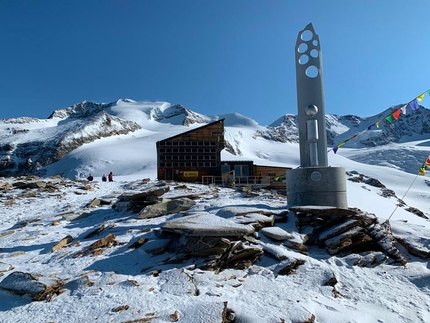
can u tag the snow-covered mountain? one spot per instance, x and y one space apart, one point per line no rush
94 137
79 252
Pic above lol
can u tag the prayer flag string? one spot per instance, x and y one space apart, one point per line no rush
395 115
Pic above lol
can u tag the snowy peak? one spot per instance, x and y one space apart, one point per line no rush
80 110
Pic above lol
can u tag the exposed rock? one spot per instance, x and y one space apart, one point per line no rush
95 232
206 224
157 247
138 243
94 203
105 242
65 241
141 196
30 185
204 246
258 220
7 233
346 231
37 287
5 267
276 233
120 308
417 212
166 207
287 267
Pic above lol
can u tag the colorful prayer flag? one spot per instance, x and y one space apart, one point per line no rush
396 114
335 149
422 171
403 108
377 124
389 118
420 97
414 104
427 162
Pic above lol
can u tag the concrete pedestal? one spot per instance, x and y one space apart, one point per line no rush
321 186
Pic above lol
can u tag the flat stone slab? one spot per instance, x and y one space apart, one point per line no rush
207 224
276 233
324 210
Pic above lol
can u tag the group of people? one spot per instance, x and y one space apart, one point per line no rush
104 178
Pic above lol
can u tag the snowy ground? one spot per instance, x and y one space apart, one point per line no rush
118 285
97 285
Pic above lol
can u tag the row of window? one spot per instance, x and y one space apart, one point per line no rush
188 150
189 164
188 143
188 157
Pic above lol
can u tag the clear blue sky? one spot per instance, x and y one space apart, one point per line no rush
213 57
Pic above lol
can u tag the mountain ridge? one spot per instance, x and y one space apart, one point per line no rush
31 146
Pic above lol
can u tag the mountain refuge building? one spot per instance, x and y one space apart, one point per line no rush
195 156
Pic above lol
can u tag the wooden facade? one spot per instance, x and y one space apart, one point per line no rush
192 154
195 156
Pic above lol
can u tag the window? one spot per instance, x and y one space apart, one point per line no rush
241 170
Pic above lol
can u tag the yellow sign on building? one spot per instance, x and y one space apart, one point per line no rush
191 174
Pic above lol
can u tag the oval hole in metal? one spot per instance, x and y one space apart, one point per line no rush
302 48
307 35
314 53
304 59
312 71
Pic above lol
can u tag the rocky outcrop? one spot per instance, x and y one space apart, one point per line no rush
347 231
39 288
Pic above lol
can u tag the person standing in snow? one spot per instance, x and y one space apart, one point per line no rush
104 178
110 177
90 177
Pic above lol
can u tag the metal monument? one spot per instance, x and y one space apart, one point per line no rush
314 182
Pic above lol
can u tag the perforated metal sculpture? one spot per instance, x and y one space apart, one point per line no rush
314 183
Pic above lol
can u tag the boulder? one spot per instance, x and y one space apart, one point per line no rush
206 224
166 207
37 287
